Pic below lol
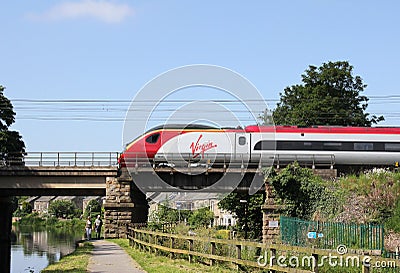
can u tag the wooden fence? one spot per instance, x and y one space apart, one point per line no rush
254 254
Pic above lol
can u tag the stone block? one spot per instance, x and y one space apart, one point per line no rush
125 199
125 213
127 218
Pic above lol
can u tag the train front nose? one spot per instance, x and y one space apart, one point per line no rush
121 161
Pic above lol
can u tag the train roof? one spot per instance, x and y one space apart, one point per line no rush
323 129
183 126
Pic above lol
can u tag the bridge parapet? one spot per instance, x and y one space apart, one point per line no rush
65 159
58 180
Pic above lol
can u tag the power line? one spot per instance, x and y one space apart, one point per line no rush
114 110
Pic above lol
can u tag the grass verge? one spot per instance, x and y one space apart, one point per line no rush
160 264
76 262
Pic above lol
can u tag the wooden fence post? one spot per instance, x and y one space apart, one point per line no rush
365 268
171 245
133 238
212 261
239 251
141 246
156 243
314 266
129 234
139 237
190 249
238 255
272 258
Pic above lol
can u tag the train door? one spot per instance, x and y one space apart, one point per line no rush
242 147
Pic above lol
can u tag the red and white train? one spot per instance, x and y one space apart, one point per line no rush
266 145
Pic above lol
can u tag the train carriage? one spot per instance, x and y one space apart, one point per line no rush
172 144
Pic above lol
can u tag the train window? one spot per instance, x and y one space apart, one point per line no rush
363 146
153 138
395 147
312 145
265 145
332 146
242 140
290 145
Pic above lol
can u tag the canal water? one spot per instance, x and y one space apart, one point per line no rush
33 250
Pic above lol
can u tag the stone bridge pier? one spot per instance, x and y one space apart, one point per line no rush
124 204
6 210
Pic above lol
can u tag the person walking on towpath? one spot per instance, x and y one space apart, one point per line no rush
88 228
97 226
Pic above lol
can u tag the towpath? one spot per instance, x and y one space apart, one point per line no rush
108 257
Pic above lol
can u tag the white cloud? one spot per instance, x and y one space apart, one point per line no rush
105 11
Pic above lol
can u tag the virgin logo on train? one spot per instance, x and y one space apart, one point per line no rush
201 148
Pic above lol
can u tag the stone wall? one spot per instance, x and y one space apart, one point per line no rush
124 204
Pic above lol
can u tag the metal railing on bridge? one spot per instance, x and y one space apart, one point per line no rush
65 159
138 160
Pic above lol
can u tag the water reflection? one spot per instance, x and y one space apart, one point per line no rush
32 250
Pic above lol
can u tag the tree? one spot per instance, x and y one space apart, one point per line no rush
62 208
12 146
92 207
247 209
24 208
299 191
201 218
329 95
166 214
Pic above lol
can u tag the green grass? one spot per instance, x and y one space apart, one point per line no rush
75 262
160 264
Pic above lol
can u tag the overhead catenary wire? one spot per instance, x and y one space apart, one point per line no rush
114 110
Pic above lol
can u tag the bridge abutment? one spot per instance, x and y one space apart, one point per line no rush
125 204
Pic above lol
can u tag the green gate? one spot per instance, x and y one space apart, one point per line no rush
329 235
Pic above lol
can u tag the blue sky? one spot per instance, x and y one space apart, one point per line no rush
107 50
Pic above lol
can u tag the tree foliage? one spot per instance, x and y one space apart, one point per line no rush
12 146
299 191
62 208
393 222
201 218
197 218
24 208
93 207
247 213
166 214
329 95
370 197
